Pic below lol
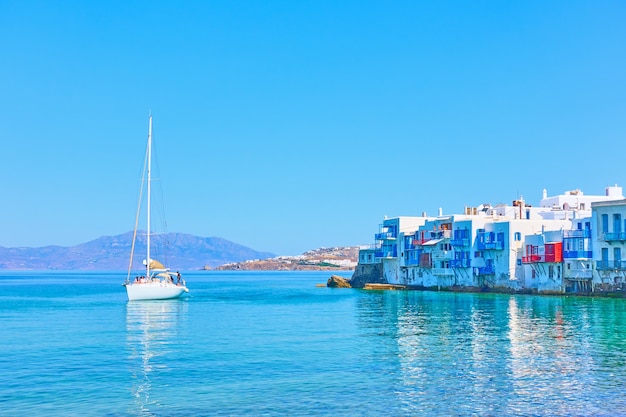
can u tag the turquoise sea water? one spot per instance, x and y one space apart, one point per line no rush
272 343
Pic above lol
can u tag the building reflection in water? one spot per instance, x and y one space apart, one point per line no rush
550 355
152 333
491 354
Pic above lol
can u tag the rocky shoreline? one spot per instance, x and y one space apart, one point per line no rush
370 277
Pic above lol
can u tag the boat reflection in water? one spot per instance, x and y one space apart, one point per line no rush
152 334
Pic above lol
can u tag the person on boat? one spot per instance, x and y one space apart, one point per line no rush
177 278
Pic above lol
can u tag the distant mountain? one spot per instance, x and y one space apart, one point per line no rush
183 251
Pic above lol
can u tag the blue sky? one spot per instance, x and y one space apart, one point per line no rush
290 125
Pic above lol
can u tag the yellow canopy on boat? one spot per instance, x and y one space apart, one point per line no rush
154 264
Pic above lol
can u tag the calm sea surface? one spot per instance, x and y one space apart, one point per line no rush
268 343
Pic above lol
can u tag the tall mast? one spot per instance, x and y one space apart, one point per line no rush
148 212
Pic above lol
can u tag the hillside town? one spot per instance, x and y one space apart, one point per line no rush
569 243
335 258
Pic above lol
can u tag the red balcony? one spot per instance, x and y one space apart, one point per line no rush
554 252
530 259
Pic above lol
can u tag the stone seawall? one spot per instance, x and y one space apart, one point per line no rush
367 274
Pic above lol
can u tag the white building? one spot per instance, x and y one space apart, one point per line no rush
609 242
578 256
517 246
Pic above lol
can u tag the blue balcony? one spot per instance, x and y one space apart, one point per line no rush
621 236
489 240
460 237
412 257
387 252
384 235
487 270
386 232
439 234
459 263
577 254
411 243
459 242
490 245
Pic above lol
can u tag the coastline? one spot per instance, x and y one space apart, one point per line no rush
372 277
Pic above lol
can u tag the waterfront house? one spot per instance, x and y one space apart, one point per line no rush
547 248
578 257
609 243
542 262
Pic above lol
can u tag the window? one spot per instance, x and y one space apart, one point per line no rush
518 236
605 255
551 271
605 223
478 254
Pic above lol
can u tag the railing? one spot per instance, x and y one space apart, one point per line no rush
441 254
385 235
617 236
497 245
487 270
578 274
489 240
532 259
439 234
368 261
577 233
446 272
577 254
412 262
548 257
459 242
610 265
387 252
460 263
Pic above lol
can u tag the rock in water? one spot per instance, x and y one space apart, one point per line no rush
367 274
335 281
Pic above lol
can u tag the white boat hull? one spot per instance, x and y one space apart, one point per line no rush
154 291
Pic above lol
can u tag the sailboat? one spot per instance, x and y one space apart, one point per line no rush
158 283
